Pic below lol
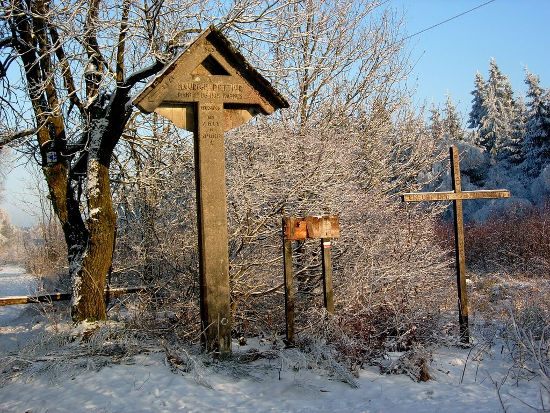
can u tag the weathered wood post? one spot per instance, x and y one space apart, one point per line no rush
457 195
328 292
325 228
460 254
289 287
207 89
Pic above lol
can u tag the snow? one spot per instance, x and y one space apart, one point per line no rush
284 380
93 172
150 386
14 281
540 188
95 211
76 297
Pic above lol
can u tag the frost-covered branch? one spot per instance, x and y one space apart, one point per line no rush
6 140
143 74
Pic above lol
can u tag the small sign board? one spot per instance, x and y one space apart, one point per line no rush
51 158
311 227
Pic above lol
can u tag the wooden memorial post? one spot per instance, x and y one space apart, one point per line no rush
457 195
325 228
207 89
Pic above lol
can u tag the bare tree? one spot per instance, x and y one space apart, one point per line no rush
68 71
348 145
330 57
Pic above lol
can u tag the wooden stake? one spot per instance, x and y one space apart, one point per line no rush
328 292
289 291
459 249
212 228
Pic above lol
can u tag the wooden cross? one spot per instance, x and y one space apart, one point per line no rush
457 195
208 89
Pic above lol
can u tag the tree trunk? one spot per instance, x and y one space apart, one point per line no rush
40 41
89 279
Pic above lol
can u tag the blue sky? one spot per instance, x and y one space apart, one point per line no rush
514 32
19 199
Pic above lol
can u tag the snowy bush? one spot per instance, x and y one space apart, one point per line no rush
514 240
540 188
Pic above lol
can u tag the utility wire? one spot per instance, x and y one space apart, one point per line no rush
448 20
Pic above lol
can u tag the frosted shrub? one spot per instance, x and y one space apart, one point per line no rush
348 146
528 340
516 240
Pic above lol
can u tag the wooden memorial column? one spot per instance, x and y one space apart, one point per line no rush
210 88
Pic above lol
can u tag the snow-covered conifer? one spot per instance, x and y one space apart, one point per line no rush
479 94
537 128
498 113
435 125
511 150
452 122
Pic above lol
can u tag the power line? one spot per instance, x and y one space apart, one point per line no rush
448 20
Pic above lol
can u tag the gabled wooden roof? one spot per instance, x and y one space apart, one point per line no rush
213 54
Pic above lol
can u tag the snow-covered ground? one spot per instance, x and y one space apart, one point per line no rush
42 379
14 320
14 281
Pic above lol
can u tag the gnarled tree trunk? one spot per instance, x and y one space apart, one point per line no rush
89 280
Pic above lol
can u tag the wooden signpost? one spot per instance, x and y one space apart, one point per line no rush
208 89
457 195
325 228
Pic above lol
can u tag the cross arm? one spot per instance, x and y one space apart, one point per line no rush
453 196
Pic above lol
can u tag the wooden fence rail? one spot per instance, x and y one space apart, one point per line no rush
46 298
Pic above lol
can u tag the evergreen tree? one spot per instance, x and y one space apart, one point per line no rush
512 144
479 93
498 112
436 125
452 122
489 123
500 84
537 128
